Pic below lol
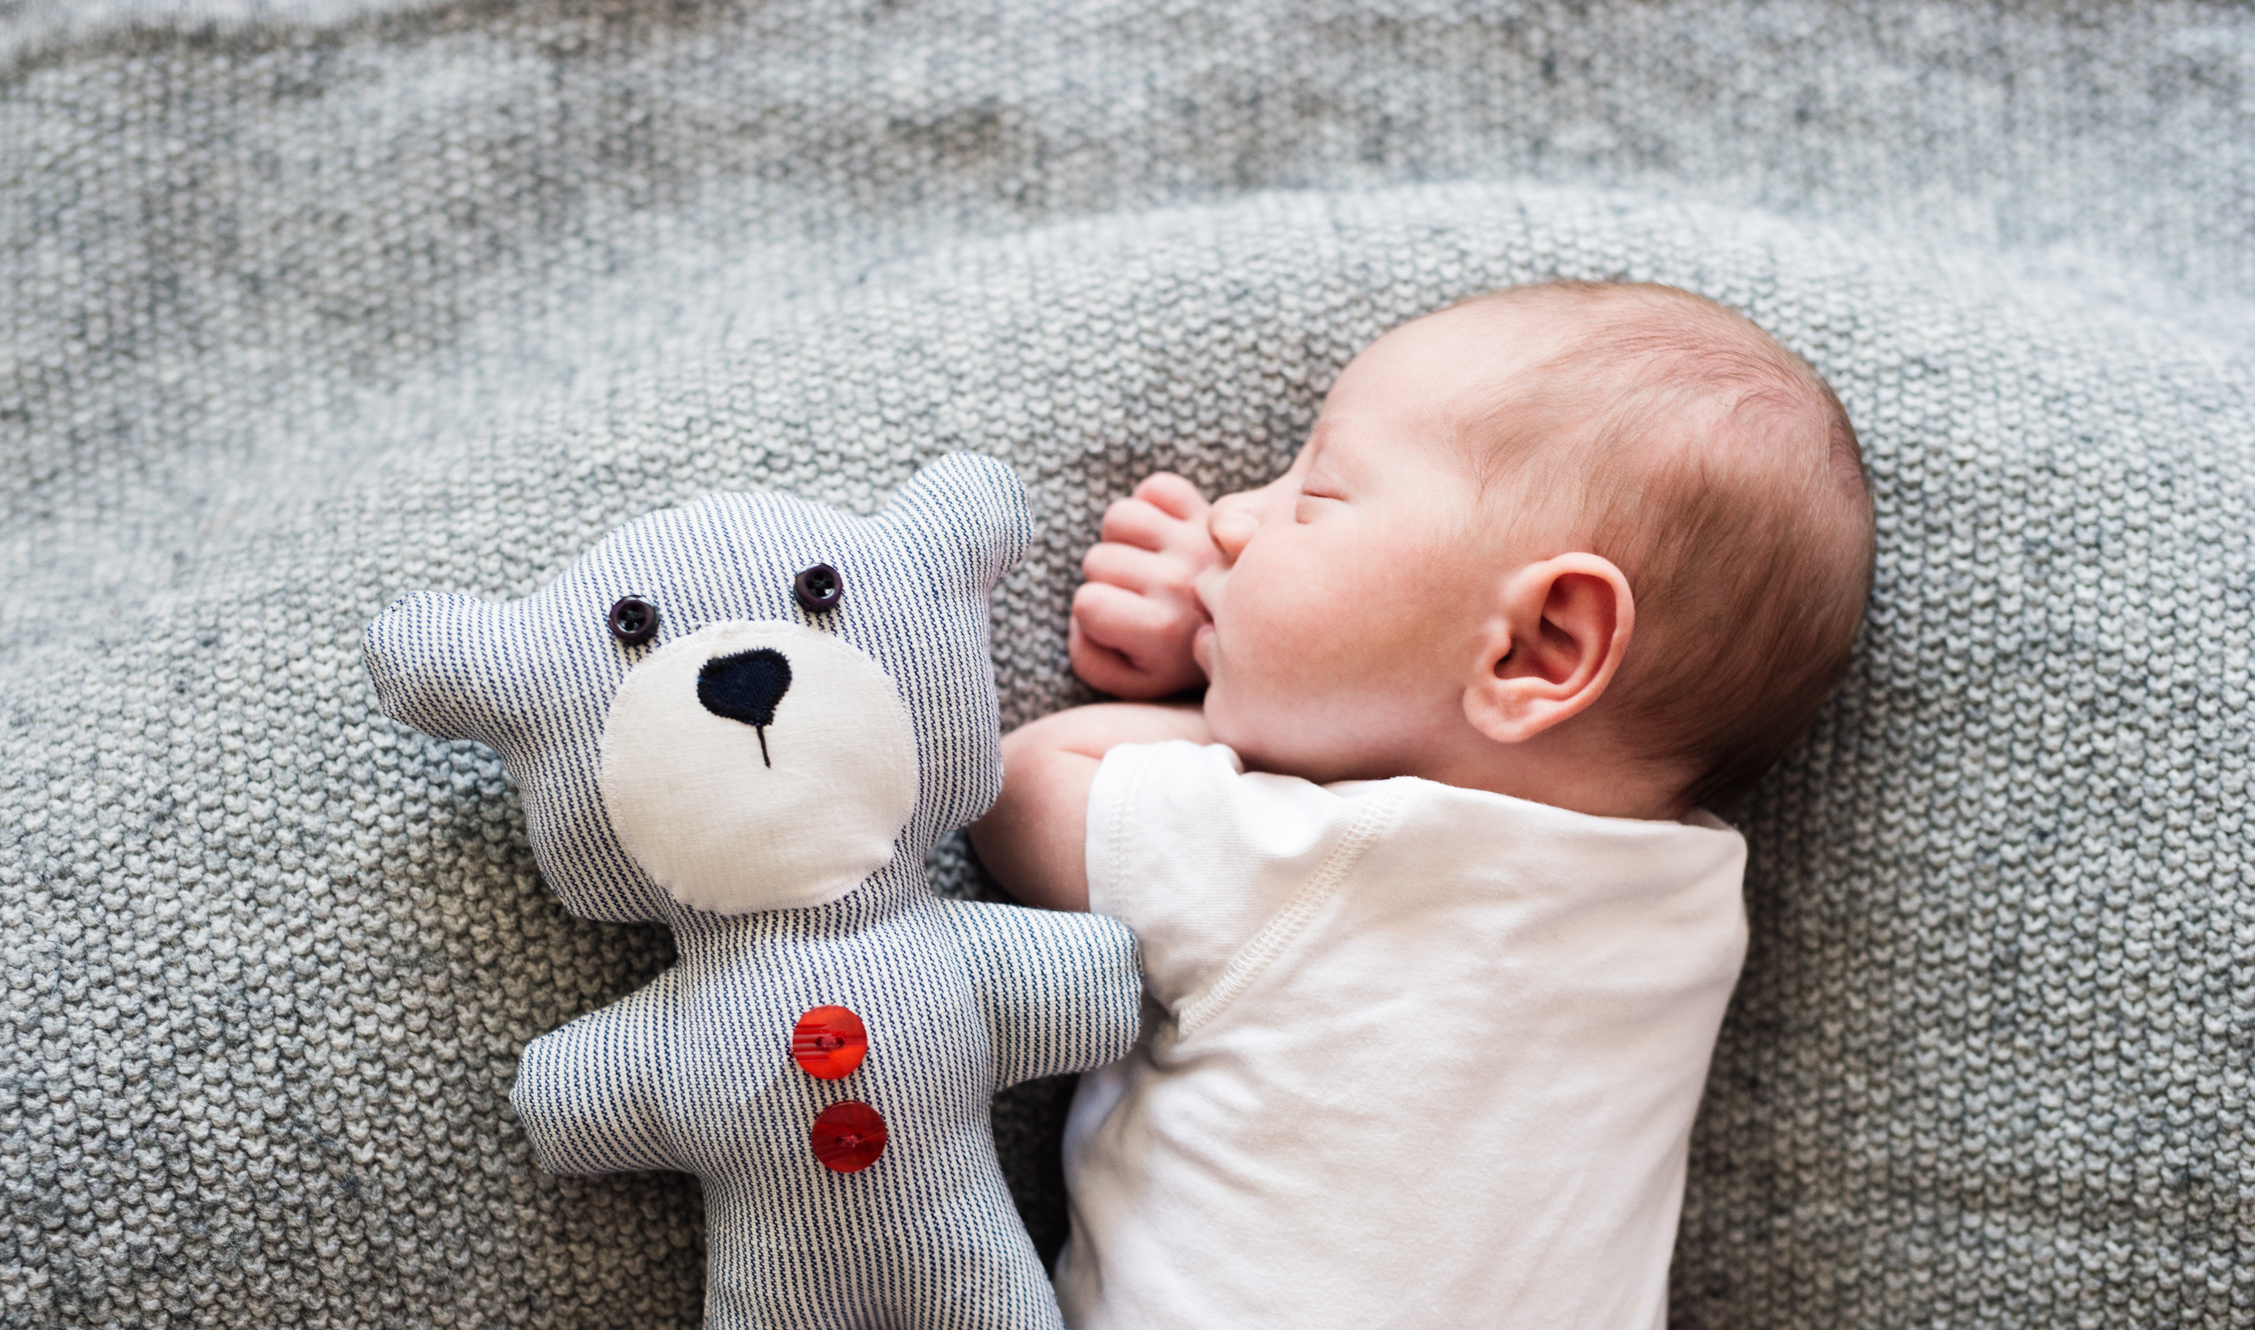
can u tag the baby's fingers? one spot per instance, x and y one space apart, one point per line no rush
1109 671
1138 570
1120 619
1135 522
1103 668
1129 645
1172 495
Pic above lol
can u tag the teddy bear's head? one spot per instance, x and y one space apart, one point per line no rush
749 703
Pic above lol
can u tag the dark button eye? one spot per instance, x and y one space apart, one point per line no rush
818 588
634 621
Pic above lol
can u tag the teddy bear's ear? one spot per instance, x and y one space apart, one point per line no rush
431 655
975 503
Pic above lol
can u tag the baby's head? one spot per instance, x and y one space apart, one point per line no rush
1602 545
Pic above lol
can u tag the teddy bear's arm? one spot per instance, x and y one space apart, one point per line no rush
1060 992
589 1094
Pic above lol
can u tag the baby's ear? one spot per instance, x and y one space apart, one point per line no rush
1562 628
975 508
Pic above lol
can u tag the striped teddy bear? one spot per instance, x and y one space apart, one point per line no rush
750 718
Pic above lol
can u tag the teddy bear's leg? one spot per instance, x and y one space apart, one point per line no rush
975 1269
948 1256
1015 1294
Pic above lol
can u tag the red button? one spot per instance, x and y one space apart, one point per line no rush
848 1136
829 1042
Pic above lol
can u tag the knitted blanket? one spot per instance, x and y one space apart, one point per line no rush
304 303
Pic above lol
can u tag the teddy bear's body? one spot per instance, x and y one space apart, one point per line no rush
764 773
694 1073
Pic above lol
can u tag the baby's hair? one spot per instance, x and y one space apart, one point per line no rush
1719 471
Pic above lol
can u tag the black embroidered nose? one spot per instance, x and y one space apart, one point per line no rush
746 687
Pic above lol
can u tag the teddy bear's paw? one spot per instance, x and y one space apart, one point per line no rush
758 766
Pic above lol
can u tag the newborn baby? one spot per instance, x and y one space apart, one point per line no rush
1438 931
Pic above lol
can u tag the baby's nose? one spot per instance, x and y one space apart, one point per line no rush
1231 523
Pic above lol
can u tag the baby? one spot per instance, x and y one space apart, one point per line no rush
1438 934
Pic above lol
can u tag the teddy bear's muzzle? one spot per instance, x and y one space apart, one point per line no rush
757 765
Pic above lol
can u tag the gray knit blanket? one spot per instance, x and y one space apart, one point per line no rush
304 303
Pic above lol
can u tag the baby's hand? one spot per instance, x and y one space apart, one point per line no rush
1135 616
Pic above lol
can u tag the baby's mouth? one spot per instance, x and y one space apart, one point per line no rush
1202 649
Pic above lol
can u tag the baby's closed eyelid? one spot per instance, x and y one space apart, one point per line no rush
1321 481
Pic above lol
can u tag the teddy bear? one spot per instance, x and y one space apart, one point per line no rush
749 719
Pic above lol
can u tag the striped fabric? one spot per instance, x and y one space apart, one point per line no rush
694 1072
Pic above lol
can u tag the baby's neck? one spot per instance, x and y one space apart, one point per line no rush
1547 770
1600 791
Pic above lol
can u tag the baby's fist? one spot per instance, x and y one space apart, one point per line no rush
1135 616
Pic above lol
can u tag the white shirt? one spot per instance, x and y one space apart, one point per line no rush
1425 1056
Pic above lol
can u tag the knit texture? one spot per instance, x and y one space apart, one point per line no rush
304 304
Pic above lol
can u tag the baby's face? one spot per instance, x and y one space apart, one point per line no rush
1344 613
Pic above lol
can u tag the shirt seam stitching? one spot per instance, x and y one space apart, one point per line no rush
1119 815
1252 959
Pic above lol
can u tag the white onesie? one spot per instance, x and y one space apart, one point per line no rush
1426 1056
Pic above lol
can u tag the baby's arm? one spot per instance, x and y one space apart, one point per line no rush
1135 616
1133 622
1035 838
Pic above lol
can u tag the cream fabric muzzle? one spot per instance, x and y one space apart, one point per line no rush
758 766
